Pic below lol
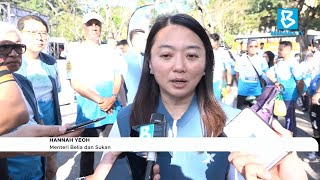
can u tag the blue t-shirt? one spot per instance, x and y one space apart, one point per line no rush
184 165
233 64
42 76
98 76
268 81
88 110
310 71
222 60
25 168
314 84
315 74
132 77
287 73
249 84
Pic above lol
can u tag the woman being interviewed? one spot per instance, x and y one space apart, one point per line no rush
177 81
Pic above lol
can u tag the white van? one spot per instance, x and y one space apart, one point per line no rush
57 47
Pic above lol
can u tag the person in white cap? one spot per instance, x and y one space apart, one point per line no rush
96 76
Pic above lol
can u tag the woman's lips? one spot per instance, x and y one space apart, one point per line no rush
179 83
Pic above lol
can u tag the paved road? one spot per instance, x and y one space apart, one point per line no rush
69 162
305 130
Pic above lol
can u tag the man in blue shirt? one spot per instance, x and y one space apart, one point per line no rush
123 46
314 113
248 69
314 92
41 70
287 73
134 59
222 76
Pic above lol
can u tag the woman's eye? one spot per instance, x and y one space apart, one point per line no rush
165 56
192 56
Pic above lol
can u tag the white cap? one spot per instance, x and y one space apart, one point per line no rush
91 15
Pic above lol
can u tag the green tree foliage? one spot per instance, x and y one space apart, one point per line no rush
308 19
34 5
142 2
118 20
232 17
65 15
225 17
65 19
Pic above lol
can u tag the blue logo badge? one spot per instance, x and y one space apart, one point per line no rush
146 131
287 19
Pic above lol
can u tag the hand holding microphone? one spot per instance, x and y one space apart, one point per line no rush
132 165
137 166
156 128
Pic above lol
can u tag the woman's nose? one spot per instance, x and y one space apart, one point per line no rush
179 63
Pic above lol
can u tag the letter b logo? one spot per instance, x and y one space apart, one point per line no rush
146 131
287 19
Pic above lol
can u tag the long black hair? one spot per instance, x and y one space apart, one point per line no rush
270 57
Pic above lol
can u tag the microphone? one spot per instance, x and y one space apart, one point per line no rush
158 127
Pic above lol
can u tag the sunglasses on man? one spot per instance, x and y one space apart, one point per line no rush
5 49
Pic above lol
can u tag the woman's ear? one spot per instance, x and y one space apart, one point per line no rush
150 67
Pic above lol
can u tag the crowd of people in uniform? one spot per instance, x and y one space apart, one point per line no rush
177 69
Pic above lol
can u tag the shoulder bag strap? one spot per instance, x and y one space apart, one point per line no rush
253 67
260 77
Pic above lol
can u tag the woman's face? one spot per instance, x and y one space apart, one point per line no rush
265 56
177 61
13 59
